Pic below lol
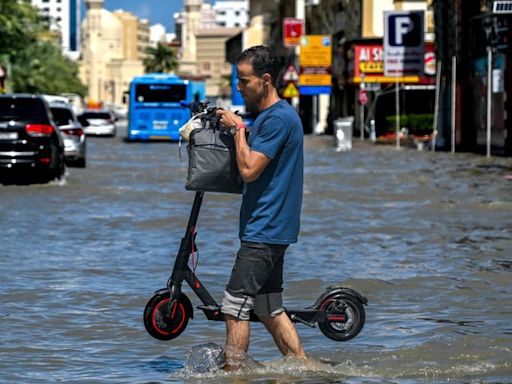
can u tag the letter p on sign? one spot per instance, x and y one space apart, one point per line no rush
405 30
403 43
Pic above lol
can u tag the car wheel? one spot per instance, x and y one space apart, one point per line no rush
80 163
59 171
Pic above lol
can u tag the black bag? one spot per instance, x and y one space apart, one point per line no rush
212 159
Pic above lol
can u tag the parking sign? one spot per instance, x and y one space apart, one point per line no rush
404 48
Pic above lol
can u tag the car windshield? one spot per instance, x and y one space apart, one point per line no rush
28 110
96 115
62 116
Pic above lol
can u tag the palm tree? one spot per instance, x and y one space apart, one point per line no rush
161 58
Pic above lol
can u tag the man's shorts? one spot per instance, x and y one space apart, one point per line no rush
256 281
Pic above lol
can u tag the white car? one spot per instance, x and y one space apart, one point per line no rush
98 122
72 133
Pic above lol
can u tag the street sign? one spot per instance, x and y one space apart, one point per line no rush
293 31
290 91
404 48
315 64
290 74
363 97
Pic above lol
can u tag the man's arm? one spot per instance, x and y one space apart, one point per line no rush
250 163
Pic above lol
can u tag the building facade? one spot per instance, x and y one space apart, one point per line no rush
468 34
110 54
203 31
64 17
135 35
231 14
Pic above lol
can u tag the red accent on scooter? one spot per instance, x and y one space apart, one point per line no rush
177 328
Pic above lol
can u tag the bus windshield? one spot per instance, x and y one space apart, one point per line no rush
160 93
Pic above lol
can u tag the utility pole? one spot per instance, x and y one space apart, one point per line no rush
299 14
489 99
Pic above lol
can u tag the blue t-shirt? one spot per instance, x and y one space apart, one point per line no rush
271 204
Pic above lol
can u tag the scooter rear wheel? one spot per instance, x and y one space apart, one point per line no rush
165 320
345 317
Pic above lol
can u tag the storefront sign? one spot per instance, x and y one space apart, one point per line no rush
369 66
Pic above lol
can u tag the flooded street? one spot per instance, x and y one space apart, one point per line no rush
426 237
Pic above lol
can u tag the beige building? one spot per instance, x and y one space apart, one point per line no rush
111 53
203 49
210 59
143 38
373 15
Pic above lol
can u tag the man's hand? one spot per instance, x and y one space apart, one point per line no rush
229 120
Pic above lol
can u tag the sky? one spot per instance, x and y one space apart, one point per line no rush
156 11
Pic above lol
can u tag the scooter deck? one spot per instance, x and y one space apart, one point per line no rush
305 316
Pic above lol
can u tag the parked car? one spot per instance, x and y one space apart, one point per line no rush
99 122
29 138
72 132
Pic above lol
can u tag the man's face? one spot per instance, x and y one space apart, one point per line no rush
250 86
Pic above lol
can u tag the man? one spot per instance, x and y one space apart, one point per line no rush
271 165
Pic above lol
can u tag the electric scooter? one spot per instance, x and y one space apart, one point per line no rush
338 312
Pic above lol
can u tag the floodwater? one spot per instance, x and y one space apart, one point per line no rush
427 237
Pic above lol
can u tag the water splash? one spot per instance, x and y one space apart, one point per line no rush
207 362
204 358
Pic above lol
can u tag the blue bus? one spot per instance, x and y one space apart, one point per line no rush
154 111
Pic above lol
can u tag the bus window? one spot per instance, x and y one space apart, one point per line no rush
160 93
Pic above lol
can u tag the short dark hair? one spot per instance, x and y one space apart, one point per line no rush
262 60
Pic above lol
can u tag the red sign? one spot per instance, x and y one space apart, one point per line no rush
293 31
363 97
369 66
290 74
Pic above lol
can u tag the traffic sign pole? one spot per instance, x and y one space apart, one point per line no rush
404 51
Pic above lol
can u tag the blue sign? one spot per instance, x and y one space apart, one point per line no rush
314 90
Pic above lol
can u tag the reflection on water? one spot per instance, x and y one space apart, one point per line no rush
425 236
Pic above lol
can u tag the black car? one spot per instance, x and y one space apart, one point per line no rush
30 141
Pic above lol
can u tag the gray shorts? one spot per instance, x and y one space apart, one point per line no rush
256 281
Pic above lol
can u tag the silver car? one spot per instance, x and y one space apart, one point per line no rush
98 122
72 133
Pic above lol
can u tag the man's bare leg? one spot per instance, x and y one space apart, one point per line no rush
237 341
285 335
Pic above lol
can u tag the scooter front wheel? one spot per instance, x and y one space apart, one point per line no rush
166 320
345 316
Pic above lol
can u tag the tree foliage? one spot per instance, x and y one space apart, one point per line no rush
35 58
19 26
48 71
161 58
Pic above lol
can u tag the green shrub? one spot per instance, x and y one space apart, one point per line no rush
420 124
